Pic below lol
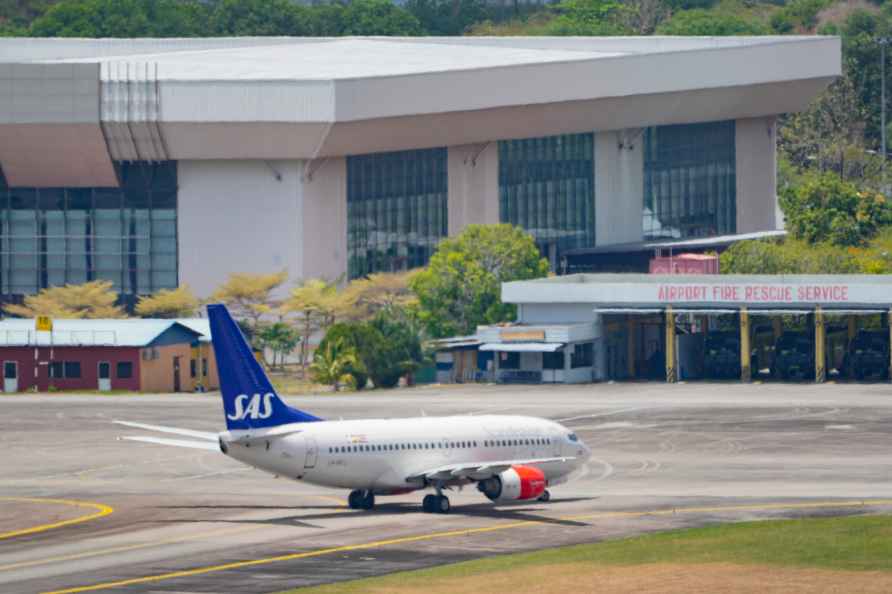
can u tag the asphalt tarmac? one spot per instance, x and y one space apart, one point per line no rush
81 511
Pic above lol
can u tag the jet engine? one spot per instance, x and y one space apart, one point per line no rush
518 482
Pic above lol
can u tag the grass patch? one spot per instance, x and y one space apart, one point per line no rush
854 543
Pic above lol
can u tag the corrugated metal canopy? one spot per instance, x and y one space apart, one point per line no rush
522 347
123 333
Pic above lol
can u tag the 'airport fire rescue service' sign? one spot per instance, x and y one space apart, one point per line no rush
43 324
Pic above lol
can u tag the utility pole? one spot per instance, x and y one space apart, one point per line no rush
884 41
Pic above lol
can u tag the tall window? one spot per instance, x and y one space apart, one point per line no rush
396 209
690 181
547 187
128 235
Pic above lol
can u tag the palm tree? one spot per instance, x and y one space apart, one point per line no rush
332 363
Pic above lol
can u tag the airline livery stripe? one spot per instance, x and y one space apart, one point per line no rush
465 532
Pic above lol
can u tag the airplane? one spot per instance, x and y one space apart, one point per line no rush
509 458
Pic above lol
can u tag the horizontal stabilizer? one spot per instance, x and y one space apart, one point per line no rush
173 430
180 443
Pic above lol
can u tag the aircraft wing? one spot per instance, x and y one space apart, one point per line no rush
182 443
173 430
477 470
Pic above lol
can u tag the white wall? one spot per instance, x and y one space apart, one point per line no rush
473 185
756 148
235 216
324 220
619 186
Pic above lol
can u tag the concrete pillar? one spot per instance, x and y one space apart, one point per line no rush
820 339
619 186
853 327
473 171
756 162
671 371
746 372
888 317
777 326
631 344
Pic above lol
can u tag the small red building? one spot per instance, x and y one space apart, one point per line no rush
131 354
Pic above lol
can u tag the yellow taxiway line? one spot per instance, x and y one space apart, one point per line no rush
461 532
101 510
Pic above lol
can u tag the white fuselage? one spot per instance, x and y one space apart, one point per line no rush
379 455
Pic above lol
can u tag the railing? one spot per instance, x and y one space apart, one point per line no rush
59 338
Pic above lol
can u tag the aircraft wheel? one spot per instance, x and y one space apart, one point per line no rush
355 500
427 504
545 496
368 500
442 504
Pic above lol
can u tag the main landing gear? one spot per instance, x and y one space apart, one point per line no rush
435 504
361 500
545 496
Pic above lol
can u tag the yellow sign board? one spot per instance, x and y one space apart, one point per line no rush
522 335
44 324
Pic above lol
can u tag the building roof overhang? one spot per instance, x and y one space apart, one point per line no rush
298 98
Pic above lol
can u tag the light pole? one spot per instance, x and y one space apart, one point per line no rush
883 41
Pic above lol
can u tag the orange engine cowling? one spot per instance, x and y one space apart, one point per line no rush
518 482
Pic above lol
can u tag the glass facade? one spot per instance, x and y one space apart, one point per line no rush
547 187
690 181
128 235
396 209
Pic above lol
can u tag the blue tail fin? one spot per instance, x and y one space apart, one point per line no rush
249 400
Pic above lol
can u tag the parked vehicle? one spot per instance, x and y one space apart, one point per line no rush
722 355
868 355
794 356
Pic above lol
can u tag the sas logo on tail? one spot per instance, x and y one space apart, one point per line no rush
257 407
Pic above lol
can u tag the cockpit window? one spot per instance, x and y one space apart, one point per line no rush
572 437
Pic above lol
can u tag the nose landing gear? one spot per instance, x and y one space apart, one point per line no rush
361 500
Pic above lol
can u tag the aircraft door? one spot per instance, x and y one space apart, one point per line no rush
312 452
104 370
10 376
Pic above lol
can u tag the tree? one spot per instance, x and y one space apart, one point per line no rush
364 297
710 23
825 208
168 303
589 17
369 17
829 136
461 286
397 352
249 296
316 303
95 299
360 338
448 17
122 18
260 17
279 337
787 257
332 363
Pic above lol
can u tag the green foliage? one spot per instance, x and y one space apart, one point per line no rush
711 22
825 208
461 286
332 363
448 17
279 337
121 18
588 17
799 15
788 257
189 18
387 347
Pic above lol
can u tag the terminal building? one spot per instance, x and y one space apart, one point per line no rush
156 162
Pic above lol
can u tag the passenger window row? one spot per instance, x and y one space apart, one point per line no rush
352 449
